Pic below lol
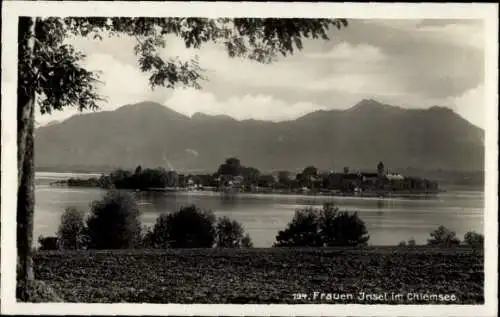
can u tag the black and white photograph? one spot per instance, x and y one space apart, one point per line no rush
266 158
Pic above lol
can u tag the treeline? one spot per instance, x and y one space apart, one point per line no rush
141 179
114 223
232 175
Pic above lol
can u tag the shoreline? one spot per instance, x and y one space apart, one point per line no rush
212 192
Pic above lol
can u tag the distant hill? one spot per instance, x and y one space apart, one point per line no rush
153 135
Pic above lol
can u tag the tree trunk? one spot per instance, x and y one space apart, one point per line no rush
25 93
26 168
25 212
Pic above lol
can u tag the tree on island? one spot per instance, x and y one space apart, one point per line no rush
310 171
50 75
284 178
307 176
231 167
250 175
138 170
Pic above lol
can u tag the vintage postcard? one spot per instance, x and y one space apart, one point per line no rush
259 159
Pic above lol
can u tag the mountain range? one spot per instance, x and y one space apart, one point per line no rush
151 135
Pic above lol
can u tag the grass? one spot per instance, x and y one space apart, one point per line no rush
258 276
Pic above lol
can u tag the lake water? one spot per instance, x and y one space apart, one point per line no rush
388 220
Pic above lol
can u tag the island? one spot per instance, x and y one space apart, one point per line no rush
232 177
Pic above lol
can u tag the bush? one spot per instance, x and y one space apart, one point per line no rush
188 227
147 238
246 242
48 243
443 237
114 222
230 234
325 227
411 242
71 232
474 239
303 230
37 292
160 235
342 228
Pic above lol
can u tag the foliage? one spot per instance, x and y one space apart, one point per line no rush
189 227
260 276
138 170
158 237
114 222
37 292
267 181
443 237
231 167
307 176
326 227
250 175
147 240
473 238
309 171
72 231
48 243
411 242
140 179
303 230
230 234
342 228
246 242
380 167
284 178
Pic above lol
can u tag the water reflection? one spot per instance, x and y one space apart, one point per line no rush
381 206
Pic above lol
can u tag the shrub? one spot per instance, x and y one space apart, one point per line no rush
411 242
71 232
36 292
230 234
188 227
246 242
303 230
443 237
313 228
474 239
48 243
342 228
114 222
148 238
160 235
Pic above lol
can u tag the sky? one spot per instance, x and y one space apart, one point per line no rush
406 63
